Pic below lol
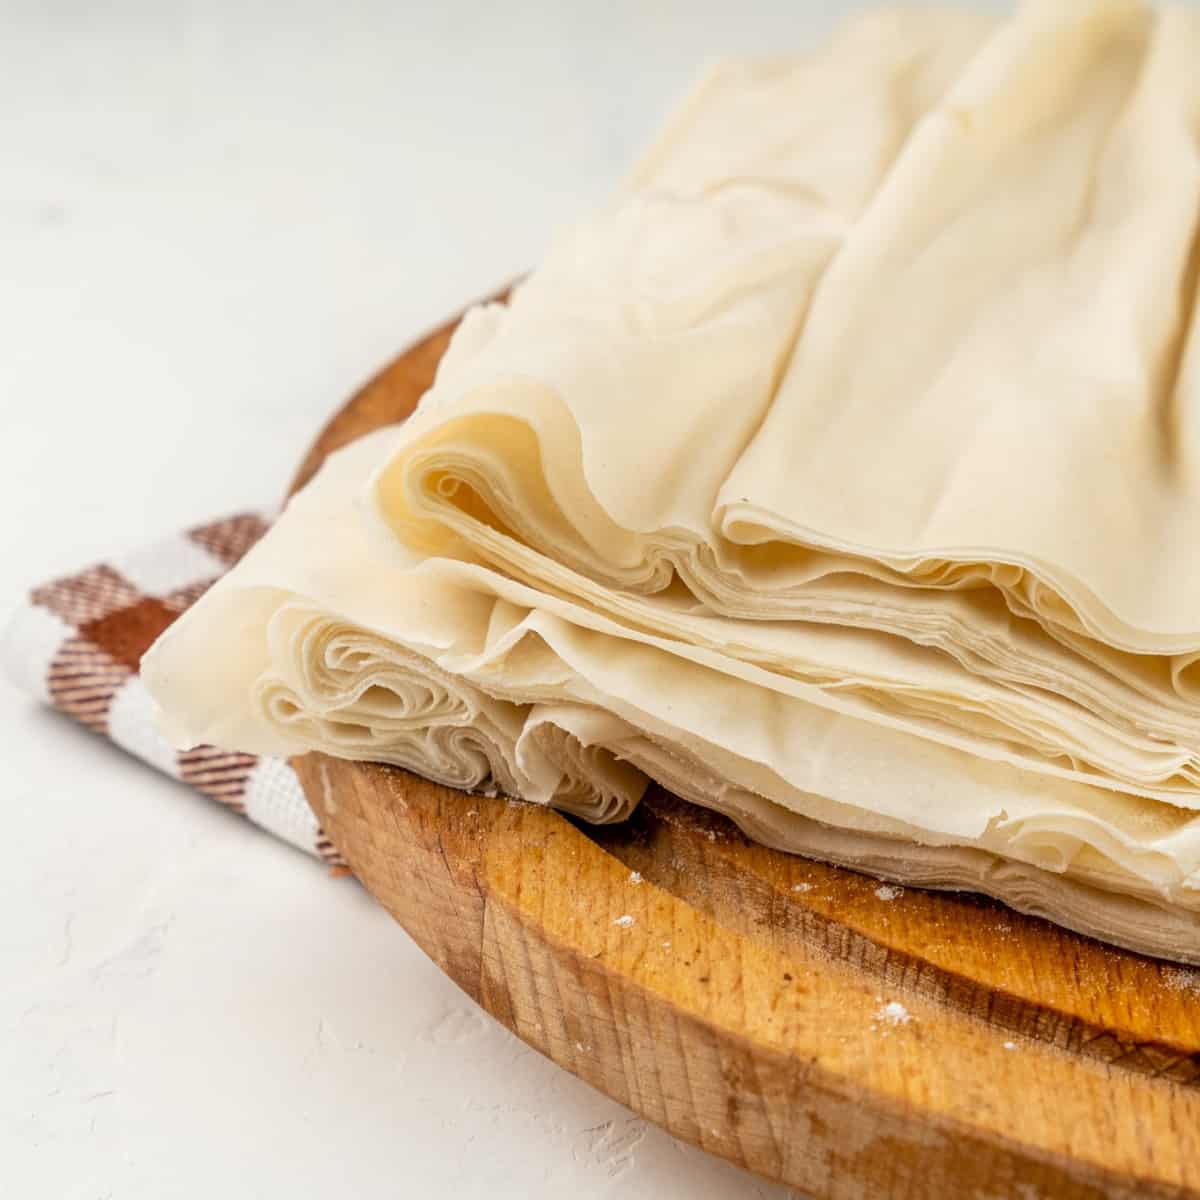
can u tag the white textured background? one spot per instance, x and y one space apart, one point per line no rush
217 218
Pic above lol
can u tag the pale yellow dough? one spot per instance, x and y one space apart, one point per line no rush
837 474
473 679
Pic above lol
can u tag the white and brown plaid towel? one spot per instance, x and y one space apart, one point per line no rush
77 643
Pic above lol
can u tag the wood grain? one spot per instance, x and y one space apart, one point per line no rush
743 1005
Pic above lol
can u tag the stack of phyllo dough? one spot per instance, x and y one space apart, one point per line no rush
841 473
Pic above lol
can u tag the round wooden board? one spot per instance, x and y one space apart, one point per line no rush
746 1000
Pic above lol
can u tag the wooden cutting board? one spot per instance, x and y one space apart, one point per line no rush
805 1022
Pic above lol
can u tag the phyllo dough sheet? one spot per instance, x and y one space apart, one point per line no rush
938 401
451 669
836 474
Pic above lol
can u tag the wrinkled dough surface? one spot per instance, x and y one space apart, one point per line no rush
837 474
772 405
453 670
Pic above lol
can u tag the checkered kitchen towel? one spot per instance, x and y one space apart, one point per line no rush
76 643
